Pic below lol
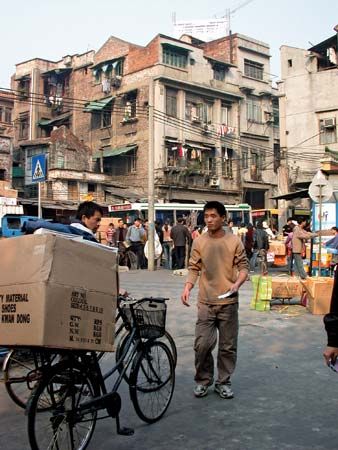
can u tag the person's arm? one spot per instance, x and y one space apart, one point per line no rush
194 268
241 262
302 234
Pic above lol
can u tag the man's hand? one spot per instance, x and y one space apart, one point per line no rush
186 294
330 354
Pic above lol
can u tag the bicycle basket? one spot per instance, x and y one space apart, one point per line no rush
150 316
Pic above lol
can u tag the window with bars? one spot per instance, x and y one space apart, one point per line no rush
101 119
219 73
245 157
253 69
5 114
23 126
175 57
227 162
171 102
224 114
328 134
253 111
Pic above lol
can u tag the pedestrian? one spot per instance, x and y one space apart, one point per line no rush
229 227
331 325
242 230
260 246
268 230
110 235
300 236
220 261
249 241
181 237
288 246
288 227
167 245
136 235
88 217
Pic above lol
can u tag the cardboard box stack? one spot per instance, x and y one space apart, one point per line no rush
57 292
286 287
319 292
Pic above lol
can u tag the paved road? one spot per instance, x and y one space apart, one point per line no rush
284 396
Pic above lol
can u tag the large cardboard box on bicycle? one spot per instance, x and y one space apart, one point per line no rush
57 292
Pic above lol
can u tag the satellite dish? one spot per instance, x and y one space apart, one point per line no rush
320 190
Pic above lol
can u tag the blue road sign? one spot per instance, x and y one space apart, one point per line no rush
39 168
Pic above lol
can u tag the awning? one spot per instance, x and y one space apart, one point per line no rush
54 121
198 147
123 193
304 193
98 105
110 152
58 71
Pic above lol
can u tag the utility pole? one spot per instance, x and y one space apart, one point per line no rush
151 187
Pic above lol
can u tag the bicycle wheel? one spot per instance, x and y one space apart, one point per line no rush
22 370
167 339
59 426
152 381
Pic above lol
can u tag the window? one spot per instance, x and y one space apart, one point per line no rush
275 109
224 114
124 164
328 131
97 75
23 126
173 56
2 174
193 111
130 106
245 162
208 162
171 102
253 69
23 88
60 161
207 113
219 73
5 114
253 111
289 62
227 162
255 166
91 187
101 119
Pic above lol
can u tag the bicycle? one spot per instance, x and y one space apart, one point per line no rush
22 366
63 408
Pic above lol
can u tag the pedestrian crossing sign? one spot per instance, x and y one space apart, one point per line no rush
39 168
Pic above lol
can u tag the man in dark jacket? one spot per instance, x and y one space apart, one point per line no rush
331 325
260 246
180 236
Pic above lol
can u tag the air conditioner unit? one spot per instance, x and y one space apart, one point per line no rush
329 123
214 182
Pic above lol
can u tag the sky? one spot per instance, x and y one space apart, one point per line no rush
51 29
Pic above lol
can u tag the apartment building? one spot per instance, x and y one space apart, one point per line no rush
308 108
6 135
207 111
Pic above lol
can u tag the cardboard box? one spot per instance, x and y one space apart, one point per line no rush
280 260
57 292
286 287
319 292
277 247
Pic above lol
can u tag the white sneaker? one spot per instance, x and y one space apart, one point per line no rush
200 390
224 390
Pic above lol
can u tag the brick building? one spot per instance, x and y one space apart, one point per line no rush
6 135
212 119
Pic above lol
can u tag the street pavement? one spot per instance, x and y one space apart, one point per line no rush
285 398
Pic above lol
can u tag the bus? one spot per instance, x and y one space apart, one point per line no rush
169 212
272 216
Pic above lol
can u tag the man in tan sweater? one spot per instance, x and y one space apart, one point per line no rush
220 260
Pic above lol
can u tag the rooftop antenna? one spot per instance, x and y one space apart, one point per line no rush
229 12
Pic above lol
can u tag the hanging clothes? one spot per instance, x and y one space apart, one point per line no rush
180 151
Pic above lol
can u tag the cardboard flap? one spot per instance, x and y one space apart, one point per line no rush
25 259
